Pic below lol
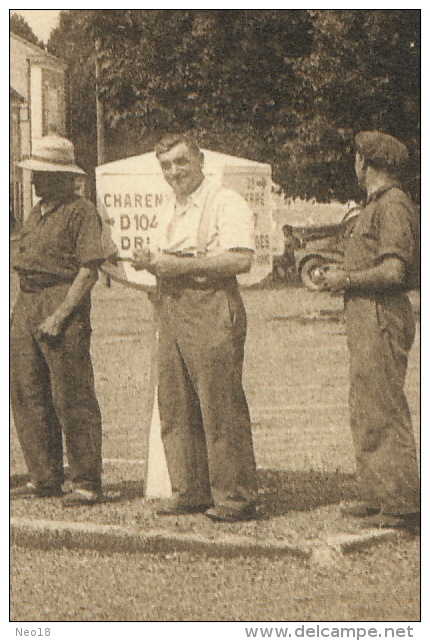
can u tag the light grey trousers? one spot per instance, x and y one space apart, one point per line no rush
205 421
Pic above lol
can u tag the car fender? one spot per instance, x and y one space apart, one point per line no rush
302 255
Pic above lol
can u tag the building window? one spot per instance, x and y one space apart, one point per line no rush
53 103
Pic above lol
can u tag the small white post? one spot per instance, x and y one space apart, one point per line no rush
157 481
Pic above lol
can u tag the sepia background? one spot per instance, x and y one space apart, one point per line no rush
285 87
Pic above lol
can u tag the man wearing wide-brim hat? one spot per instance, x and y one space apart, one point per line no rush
52 382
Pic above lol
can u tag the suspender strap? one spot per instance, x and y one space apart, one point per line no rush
203 231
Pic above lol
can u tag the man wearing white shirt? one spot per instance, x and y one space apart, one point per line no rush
205 240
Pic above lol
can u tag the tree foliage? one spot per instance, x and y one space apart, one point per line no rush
363 73
73 42
288 87
19 26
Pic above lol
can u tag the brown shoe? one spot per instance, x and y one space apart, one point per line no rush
225 514
31 491
358 509
394 521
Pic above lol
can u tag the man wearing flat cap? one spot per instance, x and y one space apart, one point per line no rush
52 382
381 264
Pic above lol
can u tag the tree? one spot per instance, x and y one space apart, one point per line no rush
191 69
362 73
288 87
73 42
19 26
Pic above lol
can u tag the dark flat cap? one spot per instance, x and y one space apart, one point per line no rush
381 150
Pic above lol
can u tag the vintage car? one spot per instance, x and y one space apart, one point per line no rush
321 246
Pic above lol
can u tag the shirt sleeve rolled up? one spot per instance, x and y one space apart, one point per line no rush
235 222
398 231
88 236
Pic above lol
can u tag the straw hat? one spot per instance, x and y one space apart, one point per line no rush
52 153
381 150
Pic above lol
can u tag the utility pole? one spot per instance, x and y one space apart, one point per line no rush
99 108
100 122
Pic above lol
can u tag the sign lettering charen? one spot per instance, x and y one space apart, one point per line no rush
136 201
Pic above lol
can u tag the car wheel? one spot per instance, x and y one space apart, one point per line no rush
310 271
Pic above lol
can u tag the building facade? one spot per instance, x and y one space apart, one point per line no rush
37 108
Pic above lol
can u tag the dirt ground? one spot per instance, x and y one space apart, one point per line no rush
378 585
296 379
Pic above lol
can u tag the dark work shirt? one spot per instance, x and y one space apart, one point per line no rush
388 225
66 238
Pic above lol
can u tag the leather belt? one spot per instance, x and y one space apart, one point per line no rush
36 282
176 285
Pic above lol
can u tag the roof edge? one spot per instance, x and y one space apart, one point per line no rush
37 50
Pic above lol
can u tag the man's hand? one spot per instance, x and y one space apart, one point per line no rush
51 327
142 258
333 279
162 264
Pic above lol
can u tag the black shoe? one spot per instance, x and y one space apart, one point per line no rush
80 496
394 521
180 509
30 490
358 509
225 514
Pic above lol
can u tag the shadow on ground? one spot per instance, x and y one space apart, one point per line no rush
280 491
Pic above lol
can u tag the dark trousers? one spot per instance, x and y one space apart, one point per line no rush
205 422
52 392
380 332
